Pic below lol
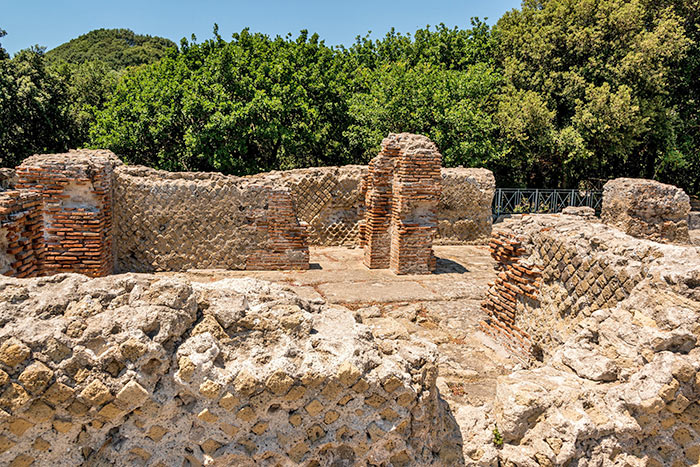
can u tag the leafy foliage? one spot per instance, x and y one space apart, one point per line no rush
115 48
555 93
34 107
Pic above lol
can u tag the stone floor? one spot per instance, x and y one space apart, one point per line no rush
443 308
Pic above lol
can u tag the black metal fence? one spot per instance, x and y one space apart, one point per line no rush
530 201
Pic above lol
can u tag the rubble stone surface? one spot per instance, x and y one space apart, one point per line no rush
141 370
647 209
609 331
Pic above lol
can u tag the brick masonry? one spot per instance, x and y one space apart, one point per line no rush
99 216
76 190
402 192
20 233
517 282
332 201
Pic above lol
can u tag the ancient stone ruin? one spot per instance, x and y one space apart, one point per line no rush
581 350
647 209
608 325
98 216
402 195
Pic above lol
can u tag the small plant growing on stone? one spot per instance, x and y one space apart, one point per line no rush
497 438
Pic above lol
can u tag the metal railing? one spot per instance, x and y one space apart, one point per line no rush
531 201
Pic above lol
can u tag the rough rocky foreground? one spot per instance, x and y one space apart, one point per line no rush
139 369
617 320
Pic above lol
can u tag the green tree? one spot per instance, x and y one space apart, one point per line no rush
251 104
453 108
600 71
115 48
33 108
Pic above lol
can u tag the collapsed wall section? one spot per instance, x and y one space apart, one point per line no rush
177 221
610 324
647 209
76 191
137 370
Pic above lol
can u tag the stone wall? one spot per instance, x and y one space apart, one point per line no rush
137 370
647 209
176 221
21 236
76 190
331 201
610 333
99 216
464 211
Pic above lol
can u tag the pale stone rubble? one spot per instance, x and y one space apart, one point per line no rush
140 370
647 209
617 320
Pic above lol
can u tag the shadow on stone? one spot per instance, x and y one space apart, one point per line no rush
447 266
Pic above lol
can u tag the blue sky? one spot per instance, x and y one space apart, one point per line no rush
50 23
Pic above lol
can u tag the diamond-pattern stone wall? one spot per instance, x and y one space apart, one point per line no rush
332 201
552 274
177 221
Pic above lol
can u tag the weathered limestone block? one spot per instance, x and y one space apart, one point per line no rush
76 188
615 321
647 209
119 371
177 221
403 189
464 212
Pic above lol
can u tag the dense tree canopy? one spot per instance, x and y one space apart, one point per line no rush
115 48
555 93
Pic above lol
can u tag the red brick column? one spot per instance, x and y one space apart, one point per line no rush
403 189
76 188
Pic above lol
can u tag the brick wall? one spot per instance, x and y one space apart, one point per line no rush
402 191
21 241
76 190
518 282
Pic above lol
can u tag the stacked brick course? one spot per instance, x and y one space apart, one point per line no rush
286 246
20 233
402 193
517 282
76 188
